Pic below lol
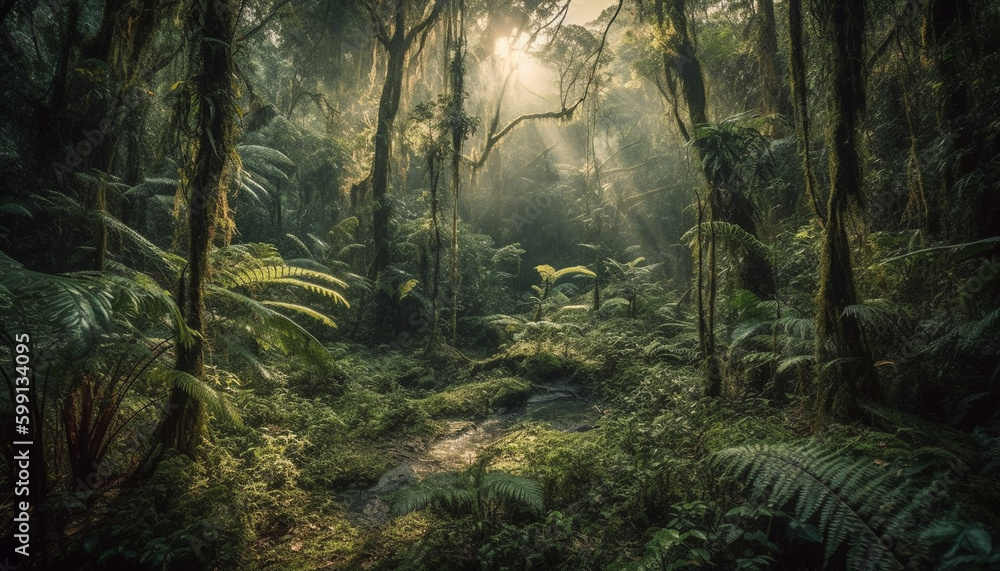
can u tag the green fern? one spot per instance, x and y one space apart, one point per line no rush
78 305
470 492
272 329
730 234
875 514
14 209
215 403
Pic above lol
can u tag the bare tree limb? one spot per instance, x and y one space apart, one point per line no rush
495 136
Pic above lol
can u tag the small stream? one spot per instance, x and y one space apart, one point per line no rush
561 406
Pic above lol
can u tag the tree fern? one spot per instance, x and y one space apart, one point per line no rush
876 515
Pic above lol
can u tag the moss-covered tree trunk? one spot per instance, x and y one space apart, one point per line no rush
209 170
388 107
846 370
396 39
728 202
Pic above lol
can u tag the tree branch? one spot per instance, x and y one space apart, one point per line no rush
267 19
425 23
564 113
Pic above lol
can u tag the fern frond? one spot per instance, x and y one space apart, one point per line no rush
730 234
314 288
450 491
273 329
302 245
325 320
172 261
266 161
150 187
14 209
242 352
407 287
877 516
249 277
795 362
955 441
506 487
215 403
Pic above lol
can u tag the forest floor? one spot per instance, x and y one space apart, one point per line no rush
605 415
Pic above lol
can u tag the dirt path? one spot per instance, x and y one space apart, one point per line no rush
561 406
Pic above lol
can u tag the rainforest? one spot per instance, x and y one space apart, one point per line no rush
499 285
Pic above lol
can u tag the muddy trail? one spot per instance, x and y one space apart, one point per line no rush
560 406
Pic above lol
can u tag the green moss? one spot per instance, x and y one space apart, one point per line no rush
476 399
734 429
566 463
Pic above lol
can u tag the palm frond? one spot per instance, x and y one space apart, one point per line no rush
954 252
78 305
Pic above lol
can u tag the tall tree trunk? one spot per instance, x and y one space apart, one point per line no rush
846 370
797 75
388 107
728 202
774 94
396 43
459 132
209 174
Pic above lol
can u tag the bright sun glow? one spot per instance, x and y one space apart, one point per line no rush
512 52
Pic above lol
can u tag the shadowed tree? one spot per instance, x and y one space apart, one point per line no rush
950 50
390 21
726 199
846 370
208 118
